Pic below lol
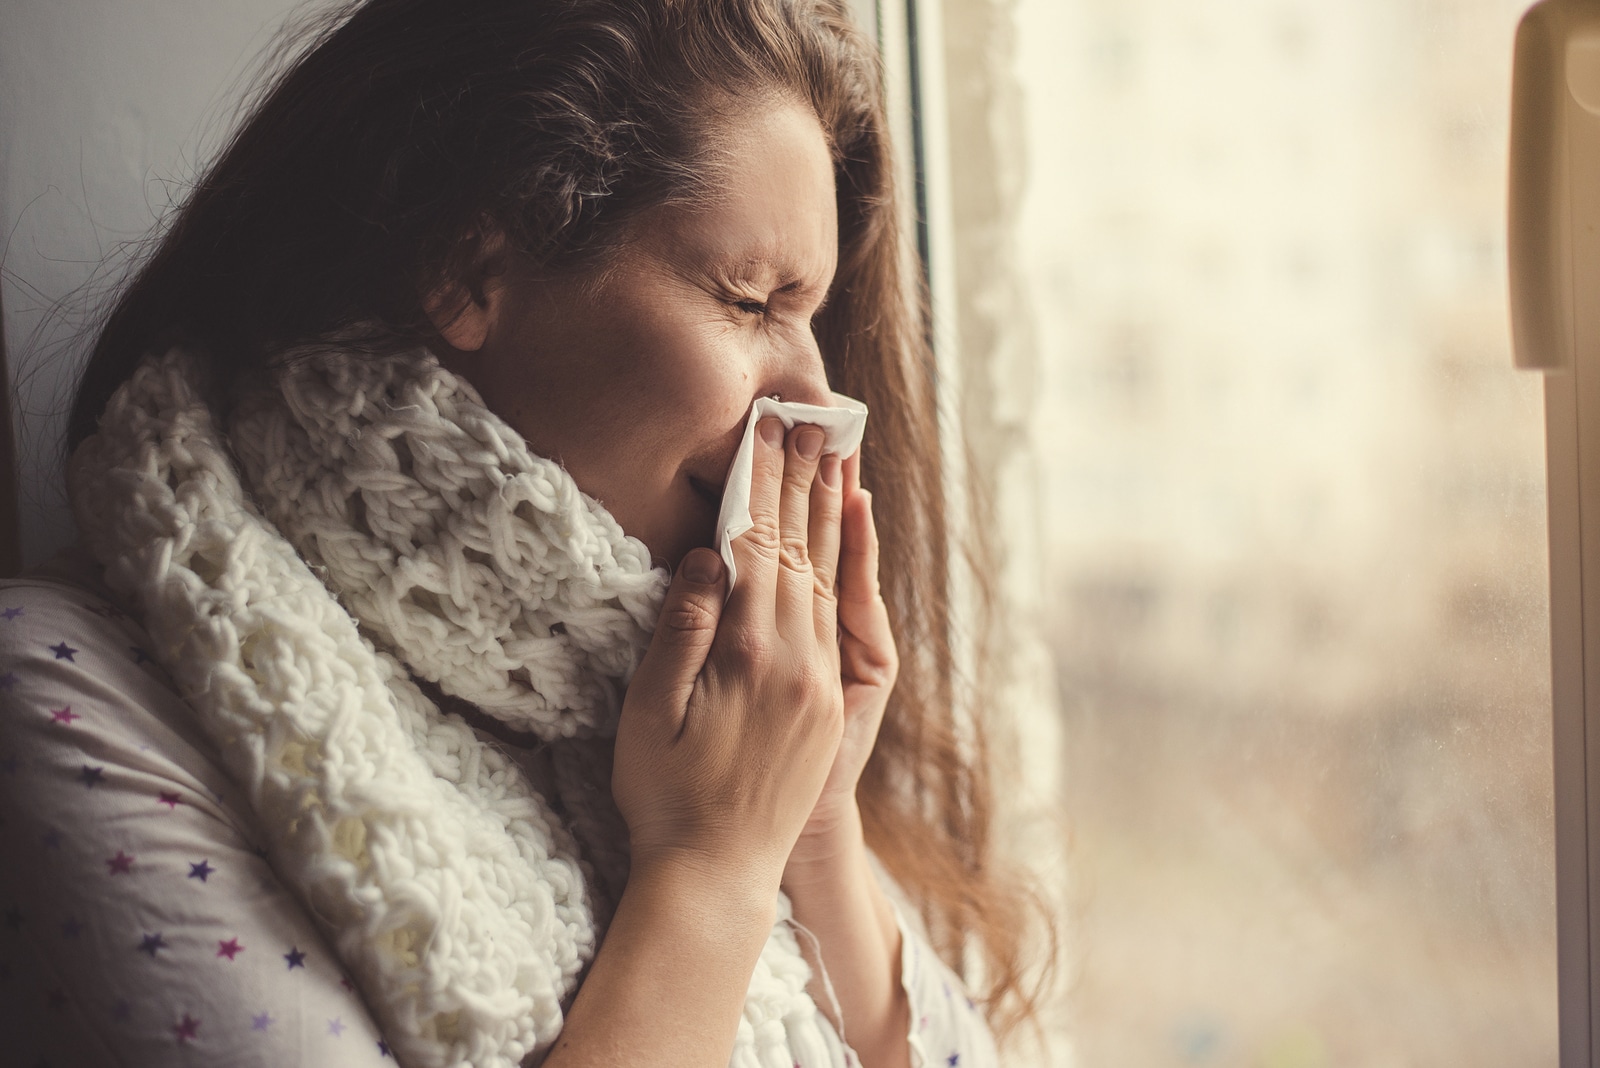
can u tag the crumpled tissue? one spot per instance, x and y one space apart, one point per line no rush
842 426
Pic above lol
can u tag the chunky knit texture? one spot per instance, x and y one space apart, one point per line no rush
464 897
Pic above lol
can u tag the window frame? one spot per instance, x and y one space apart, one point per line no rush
1554 253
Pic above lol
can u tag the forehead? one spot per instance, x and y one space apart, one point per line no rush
771 204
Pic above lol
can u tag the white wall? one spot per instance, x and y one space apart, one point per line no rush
107 109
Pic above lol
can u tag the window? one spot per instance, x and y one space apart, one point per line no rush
1229 296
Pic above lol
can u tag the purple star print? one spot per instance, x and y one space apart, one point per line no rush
186 1029
11 613
201 871
336 1027
121 864
261 1022
92 777
152 944
65 652
295 958
8 680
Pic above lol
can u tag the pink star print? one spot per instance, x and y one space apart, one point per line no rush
230 949
121 864
187 1029
171 800
64 714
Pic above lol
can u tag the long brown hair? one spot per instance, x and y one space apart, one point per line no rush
403 126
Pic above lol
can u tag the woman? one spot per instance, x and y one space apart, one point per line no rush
384 457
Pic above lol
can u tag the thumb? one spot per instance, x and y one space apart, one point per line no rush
683 634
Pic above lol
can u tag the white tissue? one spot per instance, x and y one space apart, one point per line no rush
841 426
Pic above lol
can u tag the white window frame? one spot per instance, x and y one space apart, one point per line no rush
1554 246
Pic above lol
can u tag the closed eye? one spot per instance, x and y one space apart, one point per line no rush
751 307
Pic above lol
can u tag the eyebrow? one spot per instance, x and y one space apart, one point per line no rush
788 279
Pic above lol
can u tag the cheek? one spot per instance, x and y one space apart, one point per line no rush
685 395
636 406
667 416
687 419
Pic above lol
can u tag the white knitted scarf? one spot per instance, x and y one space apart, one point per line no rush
381 527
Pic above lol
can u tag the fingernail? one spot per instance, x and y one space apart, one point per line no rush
809 443
772 432
830 471
702 566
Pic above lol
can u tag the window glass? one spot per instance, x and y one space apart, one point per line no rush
1293 504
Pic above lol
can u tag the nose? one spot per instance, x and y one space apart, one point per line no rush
797 374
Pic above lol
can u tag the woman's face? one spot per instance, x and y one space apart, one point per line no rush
638 377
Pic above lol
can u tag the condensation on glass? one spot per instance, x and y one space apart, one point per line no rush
1295 533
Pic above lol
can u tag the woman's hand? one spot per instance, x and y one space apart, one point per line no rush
869 665
746 729
733 721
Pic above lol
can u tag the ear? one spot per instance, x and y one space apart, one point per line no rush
465 310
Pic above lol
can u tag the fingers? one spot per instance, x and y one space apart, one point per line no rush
843 485
866 650
683 636
791 552
858 552
796 589
791 525
799 472
755 552
827 498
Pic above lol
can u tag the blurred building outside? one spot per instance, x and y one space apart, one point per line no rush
1291 499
